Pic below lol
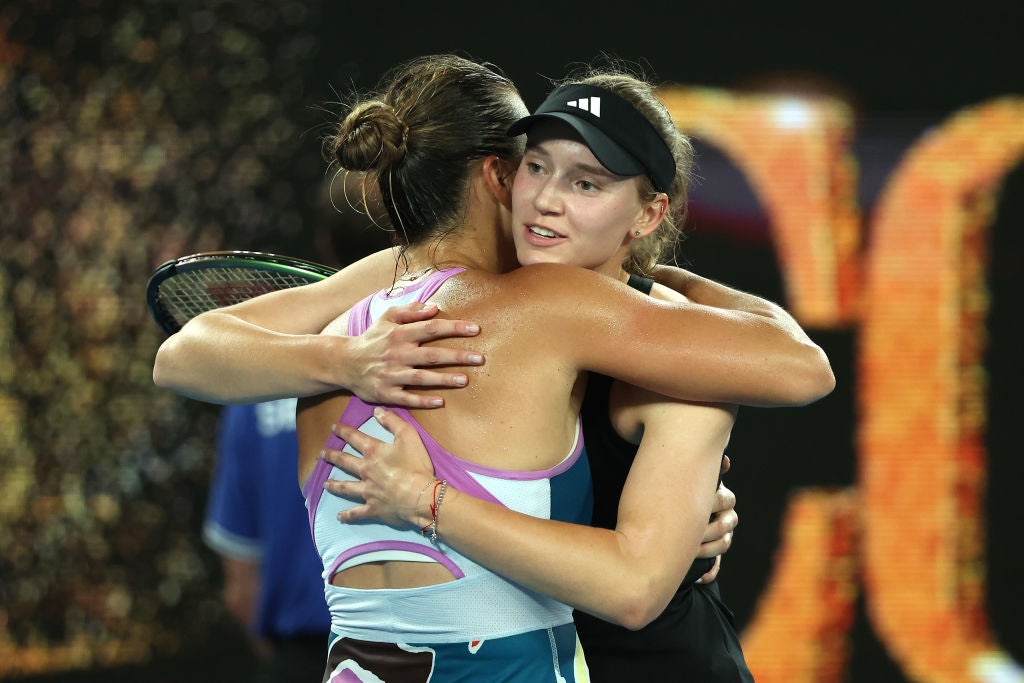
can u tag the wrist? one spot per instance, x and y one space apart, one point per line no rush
421 515
439 492
334 368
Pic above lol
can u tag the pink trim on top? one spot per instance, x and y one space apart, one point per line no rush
425 288
358 322
454 469
446 465
429 283
361 311
359 412
417 548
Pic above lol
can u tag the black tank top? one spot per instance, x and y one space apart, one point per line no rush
610 455
694 639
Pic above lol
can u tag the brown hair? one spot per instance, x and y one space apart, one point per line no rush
418 134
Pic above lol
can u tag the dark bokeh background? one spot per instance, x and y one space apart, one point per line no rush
133 132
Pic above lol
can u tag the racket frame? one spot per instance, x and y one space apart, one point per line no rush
300 269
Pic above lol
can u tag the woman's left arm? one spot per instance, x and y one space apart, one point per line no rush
663 513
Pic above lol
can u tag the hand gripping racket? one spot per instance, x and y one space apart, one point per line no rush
182 288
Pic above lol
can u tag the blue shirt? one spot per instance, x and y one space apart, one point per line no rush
256 512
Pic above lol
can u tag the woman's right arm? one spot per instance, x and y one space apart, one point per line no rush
270 346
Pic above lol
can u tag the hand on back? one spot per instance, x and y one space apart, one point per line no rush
390 357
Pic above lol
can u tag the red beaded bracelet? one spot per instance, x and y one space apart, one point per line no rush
435 506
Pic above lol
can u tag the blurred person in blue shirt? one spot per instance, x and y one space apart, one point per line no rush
256 521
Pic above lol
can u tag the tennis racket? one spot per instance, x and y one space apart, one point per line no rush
182 288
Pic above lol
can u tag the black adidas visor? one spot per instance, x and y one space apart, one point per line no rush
621 138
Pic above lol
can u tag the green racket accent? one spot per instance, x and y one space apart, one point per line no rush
182 288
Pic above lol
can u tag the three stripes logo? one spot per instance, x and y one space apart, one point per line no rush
591 104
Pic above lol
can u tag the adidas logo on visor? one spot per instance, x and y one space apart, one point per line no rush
591 104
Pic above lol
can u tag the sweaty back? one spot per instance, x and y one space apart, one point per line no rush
465 607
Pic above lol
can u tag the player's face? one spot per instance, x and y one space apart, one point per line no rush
568 208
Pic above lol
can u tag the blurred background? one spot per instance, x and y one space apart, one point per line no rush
846 164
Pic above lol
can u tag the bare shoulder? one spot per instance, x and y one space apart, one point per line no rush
558 286
555 296
544 275
547 281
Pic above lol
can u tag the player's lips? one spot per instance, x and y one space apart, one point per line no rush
541 236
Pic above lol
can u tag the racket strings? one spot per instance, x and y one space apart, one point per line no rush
187 294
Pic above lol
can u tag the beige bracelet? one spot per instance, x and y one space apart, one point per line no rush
416 509
435 507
